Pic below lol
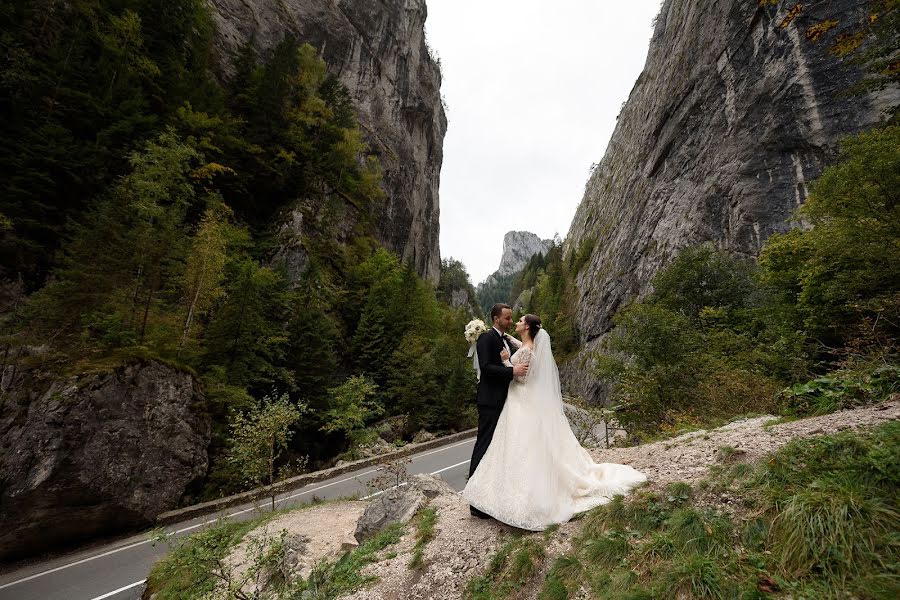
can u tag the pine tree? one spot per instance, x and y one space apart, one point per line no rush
125 251
246 334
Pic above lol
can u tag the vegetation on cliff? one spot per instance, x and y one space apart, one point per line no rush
139 214
721 336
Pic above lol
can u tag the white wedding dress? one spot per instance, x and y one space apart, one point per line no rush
535 473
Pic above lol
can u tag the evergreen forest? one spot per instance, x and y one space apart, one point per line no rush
139 221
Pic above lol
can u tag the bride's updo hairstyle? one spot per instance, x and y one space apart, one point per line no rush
534 325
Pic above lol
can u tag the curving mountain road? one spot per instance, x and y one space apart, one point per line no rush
116 571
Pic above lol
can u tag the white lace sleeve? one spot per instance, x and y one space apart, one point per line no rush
522 357
514 346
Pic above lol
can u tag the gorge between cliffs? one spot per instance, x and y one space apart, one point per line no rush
226 207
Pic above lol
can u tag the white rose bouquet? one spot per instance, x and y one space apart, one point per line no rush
474 328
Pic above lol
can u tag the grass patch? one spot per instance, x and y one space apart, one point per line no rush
564 577
642 513
425 521
834 509
330 580
698 576
189 571
195 568
725 453
514 564
659 547
606 550
704 532
822 522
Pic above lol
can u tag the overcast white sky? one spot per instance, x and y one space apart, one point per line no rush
533 90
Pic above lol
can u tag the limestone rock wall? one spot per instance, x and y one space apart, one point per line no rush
95 454
740 105
377 49
518 248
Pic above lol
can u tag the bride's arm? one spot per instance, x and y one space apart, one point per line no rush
524 360
515 343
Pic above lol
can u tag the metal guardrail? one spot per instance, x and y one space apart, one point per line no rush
612 424
607 418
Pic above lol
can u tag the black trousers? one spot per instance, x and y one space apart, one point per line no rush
487 423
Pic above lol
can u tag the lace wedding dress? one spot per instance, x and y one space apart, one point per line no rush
535 473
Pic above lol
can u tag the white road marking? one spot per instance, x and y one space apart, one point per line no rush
393 487
131 585
465 462
121 589
228 516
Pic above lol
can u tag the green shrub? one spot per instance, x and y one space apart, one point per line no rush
705 346
841 390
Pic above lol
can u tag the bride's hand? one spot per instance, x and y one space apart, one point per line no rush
504 354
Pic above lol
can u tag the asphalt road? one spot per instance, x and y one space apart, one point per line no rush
116 571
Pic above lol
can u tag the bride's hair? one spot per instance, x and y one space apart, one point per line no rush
534 325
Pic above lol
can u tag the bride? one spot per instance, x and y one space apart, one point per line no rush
535 473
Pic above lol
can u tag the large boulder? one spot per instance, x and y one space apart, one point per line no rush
392 429
399 504
96 453
423 436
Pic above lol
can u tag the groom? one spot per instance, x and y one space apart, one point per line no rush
493 385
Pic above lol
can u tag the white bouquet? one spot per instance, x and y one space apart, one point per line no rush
474 329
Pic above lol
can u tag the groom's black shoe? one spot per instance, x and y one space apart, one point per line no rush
477 513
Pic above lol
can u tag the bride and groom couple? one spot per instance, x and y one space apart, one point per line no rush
528 469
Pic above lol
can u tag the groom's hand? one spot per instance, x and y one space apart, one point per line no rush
520 370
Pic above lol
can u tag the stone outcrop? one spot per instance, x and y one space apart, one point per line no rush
95 454
460 298
739 106
290 253
399 504
378 51
518 248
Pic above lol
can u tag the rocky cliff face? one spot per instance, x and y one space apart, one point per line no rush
518 248
378 51
95 454
739 106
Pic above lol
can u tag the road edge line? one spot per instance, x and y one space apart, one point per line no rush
213 506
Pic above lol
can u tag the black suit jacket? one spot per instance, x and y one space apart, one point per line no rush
495 376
